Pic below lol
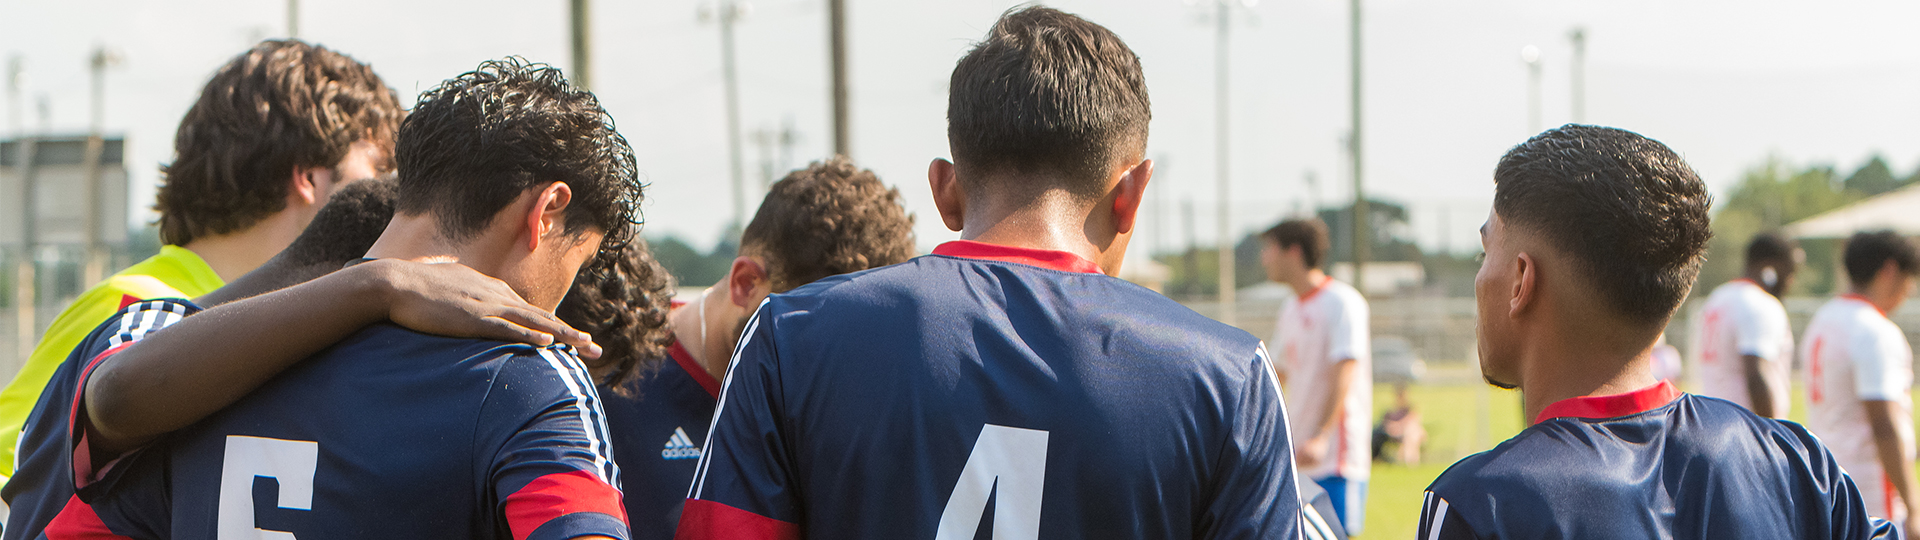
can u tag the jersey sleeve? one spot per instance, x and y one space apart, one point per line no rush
1439 522
743 488
132 324
1256 497
66 332
1347 330
1876 351
554 477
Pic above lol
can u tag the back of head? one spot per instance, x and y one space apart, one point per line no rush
479 140
281 105
1869 251
622 300
1046 95
1627 211
1309 234
1771 249
828 219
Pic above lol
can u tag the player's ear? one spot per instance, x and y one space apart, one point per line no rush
1526 284
1128 194
747 282
307 184
948 196
547 215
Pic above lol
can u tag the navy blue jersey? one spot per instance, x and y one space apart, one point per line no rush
657 434
387 434
989 388
1653 463
49 472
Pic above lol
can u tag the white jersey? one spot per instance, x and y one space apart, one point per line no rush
1741 319
1316 331
1855 354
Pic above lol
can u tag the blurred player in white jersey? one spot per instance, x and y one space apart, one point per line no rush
1745 348
1326 364
1859 370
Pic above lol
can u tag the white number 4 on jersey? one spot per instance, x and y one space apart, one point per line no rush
1010 461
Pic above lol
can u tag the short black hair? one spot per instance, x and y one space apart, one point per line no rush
346 227
477 141
1771 249
1868 251
1629 211
622 300
828 219
1310 234
1051 93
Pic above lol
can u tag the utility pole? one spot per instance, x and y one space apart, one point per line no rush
293 19
96 266
1530 55
726 13
23 278
1223 20
764 140
1579 37
837 35
582 68
1362 238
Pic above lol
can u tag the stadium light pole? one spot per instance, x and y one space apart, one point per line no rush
96 265
726 13
1530 55
1362 243
23 278
1223 21
1579 38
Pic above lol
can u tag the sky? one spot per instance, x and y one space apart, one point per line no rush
1726 83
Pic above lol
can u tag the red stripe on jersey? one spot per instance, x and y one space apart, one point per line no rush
694 369
708 520
82 456
552 496
76 521
1614 406
128 300
1044 258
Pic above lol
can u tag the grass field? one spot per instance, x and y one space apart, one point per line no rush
1461 418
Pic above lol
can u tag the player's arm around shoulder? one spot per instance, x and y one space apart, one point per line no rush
547 455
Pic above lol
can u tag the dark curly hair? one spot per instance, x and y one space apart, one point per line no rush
477 141
346 227
281 105
1047 92
1868 251
1631 214
828 219
622 300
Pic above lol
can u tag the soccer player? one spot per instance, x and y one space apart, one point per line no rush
1596 235
341 232
1746 343
1325 364
390 433
828 219
1859 371
276 129
1007 381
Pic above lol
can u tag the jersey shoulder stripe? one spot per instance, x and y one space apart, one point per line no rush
586 400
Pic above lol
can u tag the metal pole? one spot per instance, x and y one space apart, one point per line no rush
837 32
729 12
1579 38
1362 239
1531 55
581 16
293 19
23 265
1220 143
96 265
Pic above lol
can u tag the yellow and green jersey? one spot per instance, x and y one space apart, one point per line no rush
174 273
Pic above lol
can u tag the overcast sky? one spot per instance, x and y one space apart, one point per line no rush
1725 82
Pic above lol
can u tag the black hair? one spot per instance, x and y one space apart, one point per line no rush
479 140
1630 213
622 301
1310 234
1050 93
1771 249
346 227
1868 251
828 219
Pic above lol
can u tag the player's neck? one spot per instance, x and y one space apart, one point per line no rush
234 254
1308 281
686 323
1583 360
1053 221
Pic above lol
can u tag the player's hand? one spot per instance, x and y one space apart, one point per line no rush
1309 454
450 299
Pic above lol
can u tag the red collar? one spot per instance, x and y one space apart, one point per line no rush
1864 300
1044 258
693 369
1614 406
1316 289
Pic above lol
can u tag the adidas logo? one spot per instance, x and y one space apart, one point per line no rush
679 446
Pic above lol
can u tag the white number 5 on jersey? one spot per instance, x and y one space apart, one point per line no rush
290 462
1010 461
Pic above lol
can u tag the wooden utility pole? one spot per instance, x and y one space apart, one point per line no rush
581 72
837 32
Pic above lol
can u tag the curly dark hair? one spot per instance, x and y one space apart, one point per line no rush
828 219
477 141
346 227
622 300
1628 210
1868 251
1047 92
1310 234
284 104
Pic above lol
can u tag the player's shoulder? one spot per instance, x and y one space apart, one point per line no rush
393 342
